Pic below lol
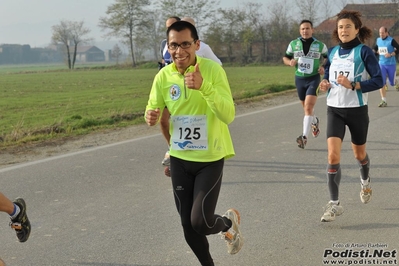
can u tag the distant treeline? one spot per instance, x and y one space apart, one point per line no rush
24 54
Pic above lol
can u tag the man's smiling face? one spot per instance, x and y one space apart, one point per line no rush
182 58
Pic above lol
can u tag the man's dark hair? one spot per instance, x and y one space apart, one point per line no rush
306 21
182 25
175 17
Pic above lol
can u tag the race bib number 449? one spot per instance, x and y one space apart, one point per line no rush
189 132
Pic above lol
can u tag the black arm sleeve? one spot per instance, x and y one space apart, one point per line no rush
395 44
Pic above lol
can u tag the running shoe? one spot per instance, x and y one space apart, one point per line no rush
166 159
301 140
315 128
331 211
21 223
383 104
366 192
233 236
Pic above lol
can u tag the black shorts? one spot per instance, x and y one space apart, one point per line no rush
357 120
307 86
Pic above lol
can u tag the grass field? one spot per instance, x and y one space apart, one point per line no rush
8 69
41 104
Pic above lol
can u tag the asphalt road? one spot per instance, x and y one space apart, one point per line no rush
112 205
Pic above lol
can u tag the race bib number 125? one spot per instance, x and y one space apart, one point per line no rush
189 132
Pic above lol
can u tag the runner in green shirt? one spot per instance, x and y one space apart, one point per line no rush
307 55
197 94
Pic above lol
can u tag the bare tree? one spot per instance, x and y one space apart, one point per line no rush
256 19
170 8
202 11
78 33
281 29
125 19
116 53
214 38
308 9
326 6
70 33
61 34
226 28
156 33
280 23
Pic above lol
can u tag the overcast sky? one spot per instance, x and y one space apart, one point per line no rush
30 21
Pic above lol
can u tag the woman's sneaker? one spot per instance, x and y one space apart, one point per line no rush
331 211
21 223
233 236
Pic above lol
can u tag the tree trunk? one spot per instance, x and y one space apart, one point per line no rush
132 53
74 56
264 46
68 56
230 53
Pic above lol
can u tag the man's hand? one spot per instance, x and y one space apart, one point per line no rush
324 85
152 117
293 62
321 70
388 55
193 80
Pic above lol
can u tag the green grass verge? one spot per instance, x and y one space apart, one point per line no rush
51 103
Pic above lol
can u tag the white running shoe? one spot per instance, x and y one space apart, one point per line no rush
233 236
166 159
331 211
366 192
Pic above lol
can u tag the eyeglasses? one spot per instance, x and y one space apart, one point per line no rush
184 45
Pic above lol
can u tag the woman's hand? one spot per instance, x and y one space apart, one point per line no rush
344 81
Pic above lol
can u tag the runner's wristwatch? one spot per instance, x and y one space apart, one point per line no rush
353 85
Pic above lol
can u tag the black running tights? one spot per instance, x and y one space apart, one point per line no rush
196 187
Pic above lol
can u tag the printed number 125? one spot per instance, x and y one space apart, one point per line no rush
190 133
